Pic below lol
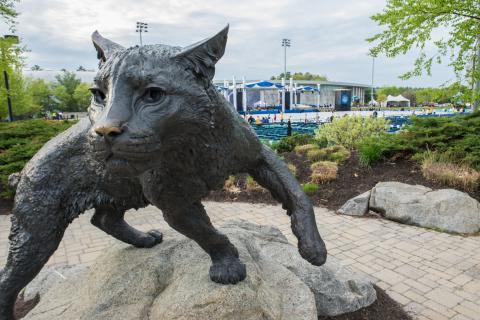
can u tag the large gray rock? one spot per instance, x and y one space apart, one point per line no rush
170 281
447 209
50 277
357 206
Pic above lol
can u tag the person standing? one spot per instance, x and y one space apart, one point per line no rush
289 128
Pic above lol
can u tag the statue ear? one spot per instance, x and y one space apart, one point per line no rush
105 48
202 56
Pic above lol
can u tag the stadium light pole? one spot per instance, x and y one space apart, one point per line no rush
141 27
373 74
285 43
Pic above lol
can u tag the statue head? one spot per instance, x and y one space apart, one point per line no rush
145 97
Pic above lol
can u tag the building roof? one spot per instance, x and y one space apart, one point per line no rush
304 82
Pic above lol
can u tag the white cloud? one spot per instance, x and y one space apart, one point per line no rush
328 37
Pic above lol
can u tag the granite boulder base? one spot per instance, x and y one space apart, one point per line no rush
170 282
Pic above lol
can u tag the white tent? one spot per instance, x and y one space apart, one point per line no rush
397 101
260 104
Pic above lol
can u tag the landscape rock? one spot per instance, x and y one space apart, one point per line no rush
357 206
14 179
49 277
170 281
447 209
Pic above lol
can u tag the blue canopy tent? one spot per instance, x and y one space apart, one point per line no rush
307 88
263 85
221 88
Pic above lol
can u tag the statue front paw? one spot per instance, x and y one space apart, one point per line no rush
151 238
313 250
229 270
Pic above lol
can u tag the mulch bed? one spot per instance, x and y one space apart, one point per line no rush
6 206
352 180
385 308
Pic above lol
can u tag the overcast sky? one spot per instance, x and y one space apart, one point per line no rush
328 37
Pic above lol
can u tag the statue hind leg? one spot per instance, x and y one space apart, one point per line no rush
274 175
111 220
33 239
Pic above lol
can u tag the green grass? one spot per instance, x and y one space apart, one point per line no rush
310 188
19 141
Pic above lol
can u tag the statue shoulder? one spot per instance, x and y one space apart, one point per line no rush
59 151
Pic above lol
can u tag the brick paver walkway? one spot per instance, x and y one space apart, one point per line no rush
434 275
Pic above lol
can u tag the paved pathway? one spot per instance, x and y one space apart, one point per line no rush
434 275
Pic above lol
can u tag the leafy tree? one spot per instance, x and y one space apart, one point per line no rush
410 24
36 68
301 76
425 96
12 62
42 94
381 97
64 90
82 96
410 95
8 12
81 68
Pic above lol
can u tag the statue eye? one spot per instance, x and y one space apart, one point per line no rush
98 96
153 95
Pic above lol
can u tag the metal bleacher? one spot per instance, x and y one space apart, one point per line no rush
278 131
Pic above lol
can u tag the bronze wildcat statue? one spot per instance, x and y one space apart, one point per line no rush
158 133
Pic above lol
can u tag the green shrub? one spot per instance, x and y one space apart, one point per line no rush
348 131
19 141
252 185
338 154
310 188
321 142
316 155
287 144
455 137
300 150
369 153
373 149
323 171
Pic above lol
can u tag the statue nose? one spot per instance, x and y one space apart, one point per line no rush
108 130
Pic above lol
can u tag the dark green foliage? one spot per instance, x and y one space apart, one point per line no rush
287 144
457 137
19 141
